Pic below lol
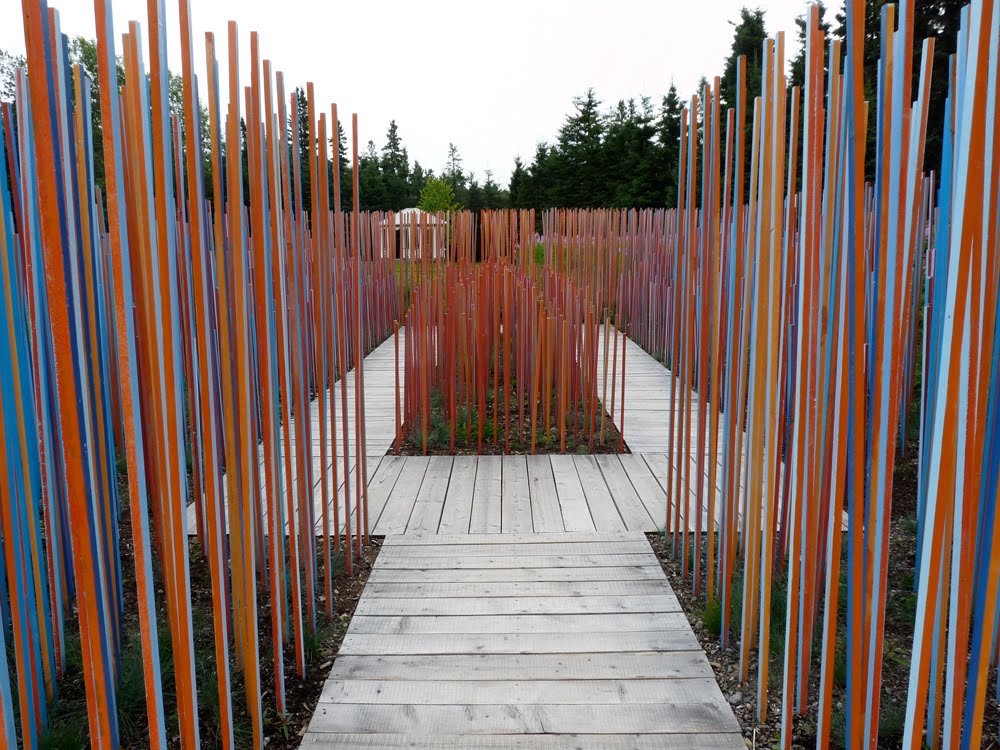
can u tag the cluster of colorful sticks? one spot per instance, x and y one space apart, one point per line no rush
623 256
799 313
502 340
151 324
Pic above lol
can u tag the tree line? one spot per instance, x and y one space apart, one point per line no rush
625 155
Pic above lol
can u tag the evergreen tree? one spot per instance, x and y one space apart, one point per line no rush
453 173
668 129
579 162
538 193
931 18
519 185
629 152
395 166
301 116
749 36
416 183
494 196
9 63
474 194
346 173
374 194
797 67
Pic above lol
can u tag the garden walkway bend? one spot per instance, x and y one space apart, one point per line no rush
554 628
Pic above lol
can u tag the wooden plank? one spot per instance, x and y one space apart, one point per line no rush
704 741
517 588
492 575
519 643
457 514
524 667
572 500
568 605
629 505
563 692
515 498
602 508
517 561
536 718
426 515
545 512
653 497
567 624
486 496
520 637
381 486
657 463
639 546
448 540
399 506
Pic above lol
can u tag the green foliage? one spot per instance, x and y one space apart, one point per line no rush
749 35
453 174
395 170
9 63
314 640
891 723
437 195
838 726
713 616
539 254
840 665
518 185
735 605
625 157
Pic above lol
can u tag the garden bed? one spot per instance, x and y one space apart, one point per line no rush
68 716
466 442
901 606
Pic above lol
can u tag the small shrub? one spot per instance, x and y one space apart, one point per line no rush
838 727
840 665
539 254
713 616
891 722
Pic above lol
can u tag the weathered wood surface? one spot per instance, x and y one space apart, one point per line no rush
494 641
521 494
490 494
380 431
527 742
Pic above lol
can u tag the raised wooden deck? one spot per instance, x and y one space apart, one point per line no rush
537 640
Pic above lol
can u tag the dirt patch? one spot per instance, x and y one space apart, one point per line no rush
321 646
901 603
68 717
517 441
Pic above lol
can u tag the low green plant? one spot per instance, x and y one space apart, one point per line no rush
713 616
891 723
539 254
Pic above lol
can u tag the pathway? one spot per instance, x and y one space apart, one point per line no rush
380 427
517 494
529 641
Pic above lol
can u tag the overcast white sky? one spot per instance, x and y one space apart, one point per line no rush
492 77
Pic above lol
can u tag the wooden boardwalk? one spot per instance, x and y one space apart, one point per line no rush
511 494
518 494
532 641
380 428
648 396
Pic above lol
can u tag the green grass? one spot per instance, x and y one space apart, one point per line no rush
539 254
712 616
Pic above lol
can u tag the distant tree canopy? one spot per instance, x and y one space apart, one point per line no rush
437 195
624 155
